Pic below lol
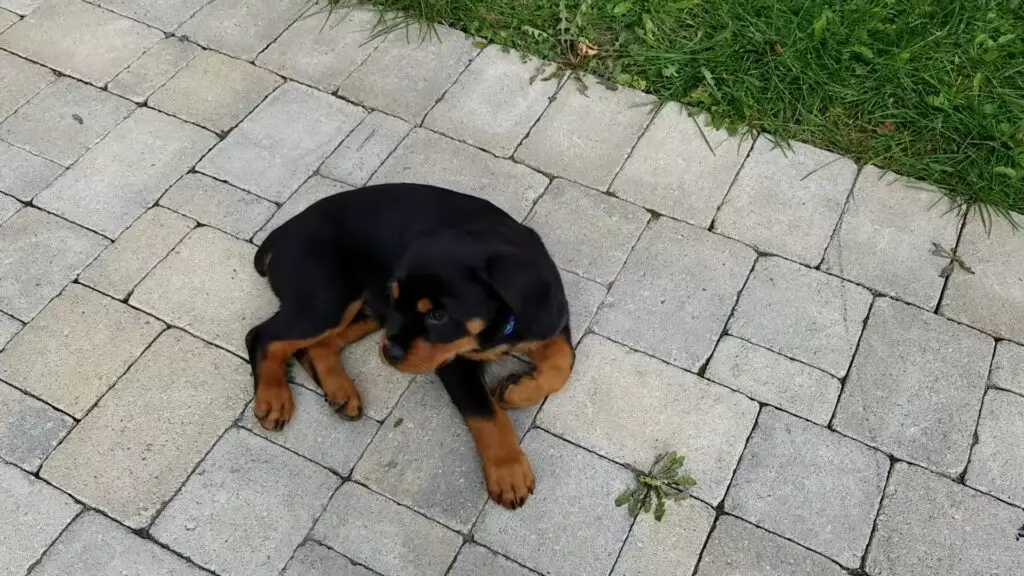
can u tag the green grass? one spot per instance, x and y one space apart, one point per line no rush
931 89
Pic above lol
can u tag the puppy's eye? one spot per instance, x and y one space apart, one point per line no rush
436 317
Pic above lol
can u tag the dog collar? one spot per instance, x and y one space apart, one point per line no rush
509 326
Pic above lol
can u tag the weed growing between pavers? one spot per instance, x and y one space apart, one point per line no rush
954 260
931 89
665 482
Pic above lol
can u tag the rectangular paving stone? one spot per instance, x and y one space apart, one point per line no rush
29 429
154 68
916 386
280 144
7 19
313 559
318 433
8 207
809 484
384 536
64 120
32 236
787 203
662 409
774 379
316 188
137 250
9 326
675 292
587 232
323 48
429 158
76 348
22 7
366 148
991 299
265 497
494 102
126 172
34 515
737 548
79 39
137 447
22 174
21 80
241 28
884 240
409 72
801 313
680 168
217 204
1007 367
474 560
96 546
671 546
584 298
422 441
214 91
163 14
930 525
209 287
570 525
567 142
996 460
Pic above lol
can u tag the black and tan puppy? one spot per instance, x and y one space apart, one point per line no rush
453 280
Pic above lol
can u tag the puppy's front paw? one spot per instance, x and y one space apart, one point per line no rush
345 401
509 478
273 406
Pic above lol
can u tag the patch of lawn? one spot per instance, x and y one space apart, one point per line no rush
931 89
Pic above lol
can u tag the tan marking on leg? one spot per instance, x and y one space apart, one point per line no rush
552 361
507 472
339 389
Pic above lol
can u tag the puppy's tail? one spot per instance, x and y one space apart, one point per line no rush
263 253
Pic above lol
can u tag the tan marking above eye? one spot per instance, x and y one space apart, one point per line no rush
475 326
424 305
393 289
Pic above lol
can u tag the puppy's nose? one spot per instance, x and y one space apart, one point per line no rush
393 353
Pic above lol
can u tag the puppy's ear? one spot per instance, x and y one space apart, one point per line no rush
532 289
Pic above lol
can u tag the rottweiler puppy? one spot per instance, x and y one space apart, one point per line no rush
454 281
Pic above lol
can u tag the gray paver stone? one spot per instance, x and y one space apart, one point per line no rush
675 292
406 74
662 408
671 546
801 313
137 447
809 484
23 175
737 548
123 175
774 379
34 514
366 148
991 299
153 69
7 19
916 386
429 158
997 463
217 204
22 7
79 39
495 101
214 91
884 240
29 429
680 169
163 14
96 546
137 250
474 560
264 496
209 287
930 525
242 28
570 525
9 326
8 207
384 536
316 188
316 432
32 236
567 142
64 120
322 49
21 80
1007 367
587 232
787 203
584 297
312 559
280 144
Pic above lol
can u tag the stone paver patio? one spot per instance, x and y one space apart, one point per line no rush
776 316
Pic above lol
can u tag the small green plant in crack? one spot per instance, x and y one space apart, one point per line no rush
665 482
953 260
